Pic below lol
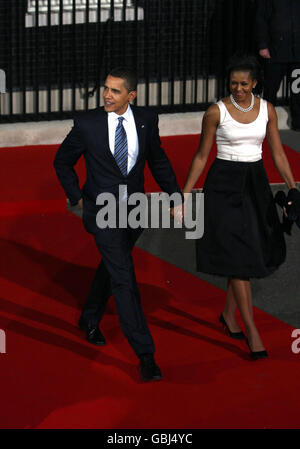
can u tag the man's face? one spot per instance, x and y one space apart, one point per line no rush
115 95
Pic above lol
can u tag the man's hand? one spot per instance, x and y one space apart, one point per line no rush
177 213
80 203
264 53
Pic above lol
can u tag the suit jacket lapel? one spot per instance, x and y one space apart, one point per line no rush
141 133
103 137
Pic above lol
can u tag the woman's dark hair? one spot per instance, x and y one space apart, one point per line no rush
246 63
128 75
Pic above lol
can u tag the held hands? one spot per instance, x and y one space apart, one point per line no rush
177 213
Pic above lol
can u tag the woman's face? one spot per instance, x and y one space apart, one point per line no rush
241 85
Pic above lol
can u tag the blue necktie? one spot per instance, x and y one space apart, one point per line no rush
121 148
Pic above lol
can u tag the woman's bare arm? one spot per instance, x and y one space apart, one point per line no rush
279 157
209 125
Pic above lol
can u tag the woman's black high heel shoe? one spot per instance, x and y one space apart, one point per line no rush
235 335
257 354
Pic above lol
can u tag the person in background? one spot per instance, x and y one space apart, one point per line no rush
277 30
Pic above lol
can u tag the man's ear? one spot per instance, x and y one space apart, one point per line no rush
132 95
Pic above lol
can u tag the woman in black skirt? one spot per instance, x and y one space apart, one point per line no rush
243 237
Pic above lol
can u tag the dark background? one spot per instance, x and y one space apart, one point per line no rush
177 40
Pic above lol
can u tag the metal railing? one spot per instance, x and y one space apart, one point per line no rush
56 53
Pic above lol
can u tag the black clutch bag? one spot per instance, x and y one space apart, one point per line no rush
292 210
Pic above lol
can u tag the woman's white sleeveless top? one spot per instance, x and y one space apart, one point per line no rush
241 142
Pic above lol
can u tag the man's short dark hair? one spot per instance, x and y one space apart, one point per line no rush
128 75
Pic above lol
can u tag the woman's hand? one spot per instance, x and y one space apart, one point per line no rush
293 200
177 213
265 53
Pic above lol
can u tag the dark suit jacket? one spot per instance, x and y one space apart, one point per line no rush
89 137
278 28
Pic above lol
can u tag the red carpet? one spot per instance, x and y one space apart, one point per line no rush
51 377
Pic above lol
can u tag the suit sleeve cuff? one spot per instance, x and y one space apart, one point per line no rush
74 199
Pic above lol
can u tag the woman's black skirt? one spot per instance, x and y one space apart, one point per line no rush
242 233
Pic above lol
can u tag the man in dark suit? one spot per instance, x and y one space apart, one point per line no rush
277 30
116 141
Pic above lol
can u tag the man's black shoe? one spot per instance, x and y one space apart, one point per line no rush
148 368
93 333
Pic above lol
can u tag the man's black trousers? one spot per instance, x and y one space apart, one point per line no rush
115 275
